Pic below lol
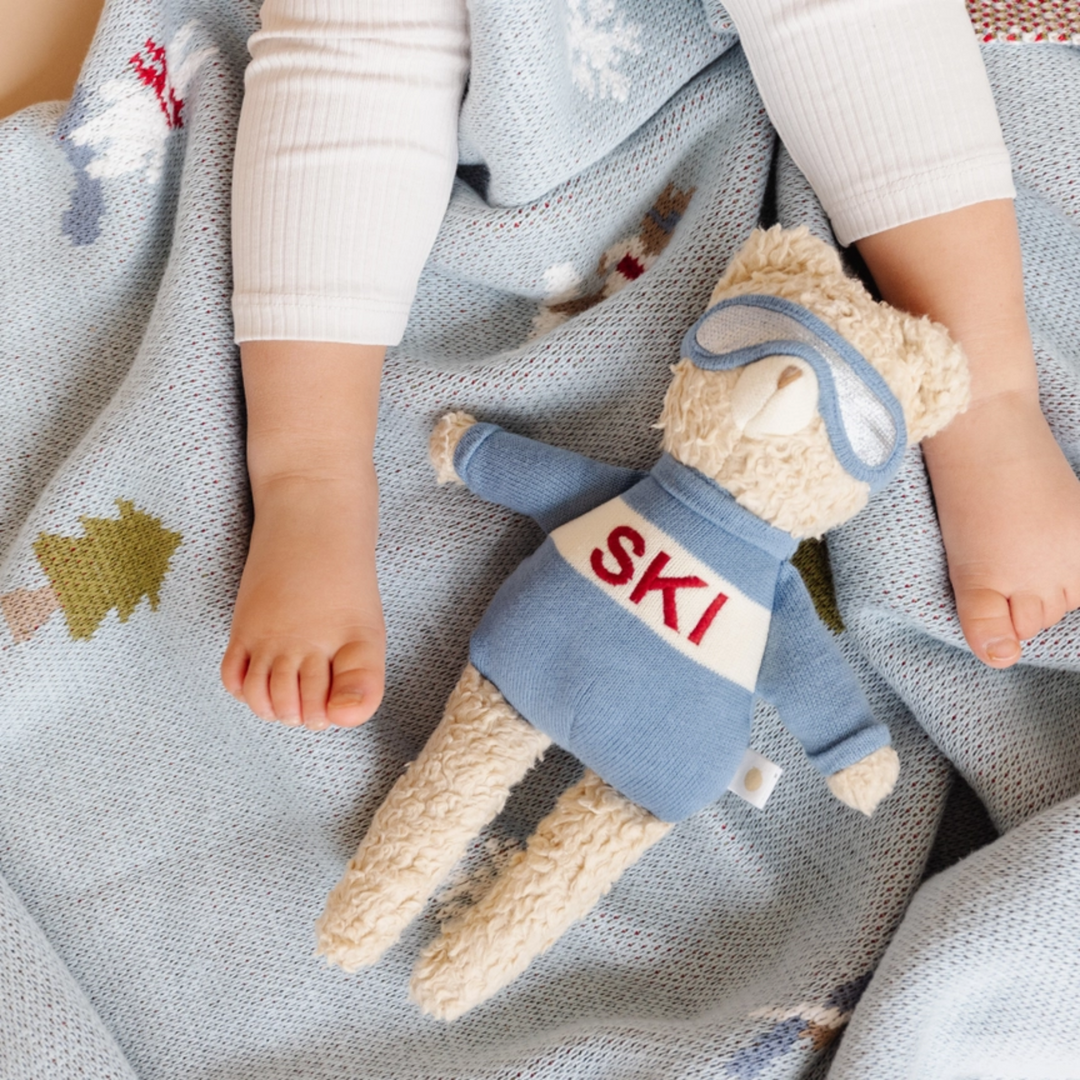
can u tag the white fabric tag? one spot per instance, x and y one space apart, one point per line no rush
755 779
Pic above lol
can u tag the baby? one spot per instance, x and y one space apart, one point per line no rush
904 150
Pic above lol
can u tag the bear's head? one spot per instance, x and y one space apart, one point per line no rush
798 392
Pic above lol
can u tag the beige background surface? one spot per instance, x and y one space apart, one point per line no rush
42 45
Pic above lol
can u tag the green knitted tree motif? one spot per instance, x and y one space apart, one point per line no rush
114 565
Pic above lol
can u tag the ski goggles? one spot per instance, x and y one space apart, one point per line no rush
862 416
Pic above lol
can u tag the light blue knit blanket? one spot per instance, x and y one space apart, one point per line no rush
164 854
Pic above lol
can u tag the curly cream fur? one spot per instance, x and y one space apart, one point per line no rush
794 482
576 854
863 785
443 442
697 420
447 795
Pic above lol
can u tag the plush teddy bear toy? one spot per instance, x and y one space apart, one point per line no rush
658 606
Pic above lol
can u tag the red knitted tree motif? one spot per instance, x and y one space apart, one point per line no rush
153 71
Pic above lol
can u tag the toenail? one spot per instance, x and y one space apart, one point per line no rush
1002 648
347 697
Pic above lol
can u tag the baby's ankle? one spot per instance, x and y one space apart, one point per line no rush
992 425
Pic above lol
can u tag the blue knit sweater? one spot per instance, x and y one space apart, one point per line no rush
639 632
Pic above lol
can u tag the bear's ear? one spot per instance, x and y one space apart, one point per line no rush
778 255
939 376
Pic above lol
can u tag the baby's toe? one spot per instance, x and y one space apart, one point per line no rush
257 689
1055 607
314 689
285 690
234 666
987 623
1028 614
357 687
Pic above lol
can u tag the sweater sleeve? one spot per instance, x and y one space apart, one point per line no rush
804 674
345 158
549 484
885 105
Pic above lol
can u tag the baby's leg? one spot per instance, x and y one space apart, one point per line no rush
1007 499
1009 507
308 643
458 783
576 854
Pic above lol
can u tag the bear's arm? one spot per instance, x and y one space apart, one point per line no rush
804 674
552 486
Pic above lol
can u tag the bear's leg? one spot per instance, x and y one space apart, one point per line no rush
459 783
577 852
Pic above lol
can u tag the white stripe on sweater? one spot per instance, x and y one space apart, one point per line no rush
622 554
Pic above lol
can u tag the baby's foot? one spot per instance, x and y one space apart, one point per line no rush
1009 507
308 644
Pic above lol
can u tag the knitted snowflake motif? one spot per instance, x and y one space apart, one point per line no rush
600 39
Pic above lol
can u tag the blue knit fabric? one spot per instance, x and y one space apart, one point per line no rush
164 853
657 724
551 485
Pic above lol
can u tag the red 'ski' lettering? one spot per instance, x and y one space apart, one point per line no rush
706 619
651 580
622 556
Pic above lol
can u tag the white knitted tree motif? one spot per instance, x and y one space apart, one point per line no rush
145 104
600 39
